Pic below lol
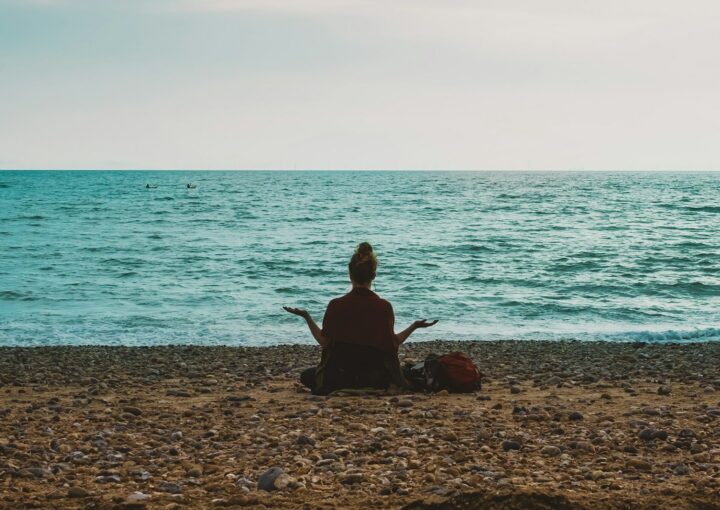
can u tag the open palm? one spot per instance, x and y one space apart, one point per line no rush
297 311
424 323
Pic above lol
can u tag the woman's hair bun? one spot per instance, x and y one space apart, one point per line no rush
364 249
363 264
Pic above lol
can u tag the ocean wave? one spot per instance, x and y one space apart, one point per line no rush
472 248
11 295
573 266
124 262
695 288
703 208
32 217
670 335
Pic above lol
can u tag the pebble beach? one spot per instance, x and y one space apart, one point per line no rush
569 425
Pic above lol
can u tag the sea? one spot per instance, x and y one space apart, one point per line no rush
140 258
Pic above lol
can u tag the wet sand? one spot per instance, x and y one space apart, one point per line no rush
556 425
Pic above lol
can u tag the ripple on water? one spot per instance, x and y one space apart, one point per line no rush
492 255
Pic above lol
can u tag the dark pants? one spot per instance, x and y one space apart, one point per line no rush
307 377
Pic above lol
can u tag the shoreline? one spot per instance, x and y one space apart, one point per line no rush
574 423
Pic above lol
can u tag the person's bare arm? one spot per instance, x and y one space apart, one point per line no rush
405 333
314 329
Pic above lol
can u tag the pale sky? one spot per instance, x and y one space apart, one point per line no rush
360 84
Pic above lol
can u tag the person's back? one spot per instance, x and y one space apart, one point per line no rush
359 344
361 317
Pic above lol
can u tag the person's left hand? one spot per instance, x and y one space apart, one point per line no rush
424 323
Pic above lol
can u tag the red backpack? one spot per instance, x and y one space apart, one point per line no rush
454 372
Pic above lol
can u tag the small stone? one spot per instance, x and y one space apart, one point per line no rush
137 497
305 440
576 416
108 479
681 470
639 465
78 492
508 445
515 389
135 411
283 481
266 481
696 448
352 478
650 434
550 451
405 403
582 445
170 488
35 472
664 390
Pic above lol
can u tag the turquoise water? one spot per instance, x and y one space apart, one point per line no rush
96 257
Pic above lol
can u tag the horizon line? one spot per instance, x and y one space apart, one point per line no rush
345 170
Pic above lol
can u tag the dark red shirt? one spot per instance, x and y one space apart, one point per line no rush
361 317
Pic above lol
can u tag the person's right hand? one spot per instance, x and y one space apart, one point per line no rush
297 311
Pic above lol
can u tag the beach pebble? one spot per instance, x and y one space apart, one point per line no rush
664 390
305 440
108 479
34 472
137 497
553 381
283 481
351 478
78 492
266 481
550 451
170 488
508 445
650 434
639 464
681 470
697 448
576 416
135 411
